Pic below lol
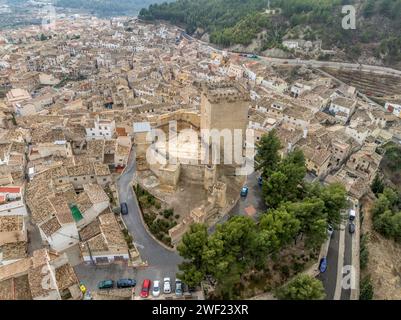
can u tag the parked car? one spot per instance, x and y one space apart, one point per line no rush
323 265
106 284
244 191
330 230
178 287
145 288
124 208
167 285
83 288
260 181
351 227
156 288
352 215
126 283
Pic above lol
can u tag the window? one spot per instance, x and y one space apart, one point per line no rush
92 177
93 134
104 179
75 179
60 181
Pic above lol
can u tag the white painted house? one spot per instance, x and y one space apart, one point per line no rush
100 129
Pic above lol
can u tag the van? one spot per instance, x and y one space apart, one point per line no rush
124 209
352 215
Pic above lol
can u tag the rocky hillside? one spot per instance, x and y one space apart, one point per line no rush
242 23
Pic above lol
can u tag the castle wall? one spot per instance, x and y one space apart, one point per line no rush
193 173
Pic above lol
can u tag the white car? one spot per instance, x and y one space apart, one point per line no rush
156 288
167 285
330 231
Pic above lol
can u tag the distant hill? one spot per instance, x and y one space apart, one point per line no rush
232 22
106 7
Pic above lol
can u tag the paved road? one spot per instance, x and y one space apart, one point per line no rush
329 278
339 255
334 65
162 262
254 199
346 293
315 63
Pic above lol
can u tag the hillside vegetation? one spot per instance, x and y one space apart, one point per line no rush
230 22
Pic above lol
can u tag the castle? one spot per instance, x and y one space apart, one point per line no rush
195 157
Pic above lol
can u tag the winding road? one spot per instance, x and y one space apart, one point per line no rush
161 261
310 63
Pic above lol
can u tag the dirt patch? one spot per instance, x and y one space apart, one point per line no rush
384 259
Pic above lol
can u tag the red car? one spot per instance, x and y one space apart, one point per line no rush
145 288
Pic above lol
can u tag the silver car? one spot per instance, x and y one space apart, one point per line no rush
167 285
178 287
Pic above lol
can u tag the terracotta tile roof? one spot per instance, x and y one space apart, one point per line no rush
63 211
96 193
50 226
15 250
90 231
40 281
10 223
101 169
65 277
41 209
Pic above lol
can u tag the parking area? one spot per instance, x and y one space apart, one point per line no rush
91 275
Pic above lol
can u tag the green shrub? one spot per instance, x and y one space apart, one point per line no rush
168 213
366 289
285 270
364 252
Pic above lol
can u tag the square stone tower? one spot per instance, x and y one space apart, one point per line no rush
224 106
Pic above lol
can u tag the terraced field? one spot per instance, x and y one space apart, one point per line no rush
375 86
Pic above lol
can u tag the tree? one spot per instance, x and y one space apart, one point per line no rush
334 197
275 189
369 8
267 156
193 244
190 274
389 225
285 183
377 185
281 227
313 220
381 205
230 252
386 214
302 287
